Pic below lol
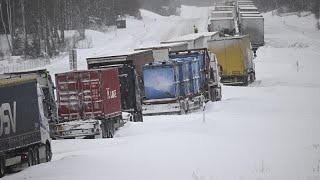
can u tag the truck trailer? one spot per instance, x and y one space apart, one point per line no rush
129 65
24 130
44 79
182 83
161 51
235 59
253 25
89 104
194 40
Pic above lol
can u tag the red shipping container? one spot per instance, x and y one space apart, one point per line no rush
89 94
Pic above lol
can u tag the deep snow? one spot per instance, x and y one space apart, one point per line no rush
269 130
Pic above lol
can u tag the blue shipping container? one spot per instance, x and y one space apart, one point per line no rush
161 80
184 82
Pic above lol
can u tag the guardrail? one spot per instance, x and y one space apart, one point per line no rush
24 66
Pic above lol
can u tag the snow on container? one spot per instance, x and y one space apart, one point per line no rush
194 40
88 94
161 80
184 82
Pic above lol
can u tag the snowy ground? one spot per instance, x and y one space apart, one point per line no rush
269 130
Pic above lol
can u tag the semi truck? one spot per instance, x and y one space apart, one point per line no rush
235 59
89 104
253 25
45 81
24 123
130 66
182 83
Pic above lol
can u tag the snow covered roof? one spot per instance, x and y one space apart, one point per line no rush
249 12
247 7
119 53
162 46
220 12
188 37
251 15
208 34
221 18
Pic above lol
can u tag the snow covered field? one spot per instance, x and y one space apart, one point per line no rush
269 130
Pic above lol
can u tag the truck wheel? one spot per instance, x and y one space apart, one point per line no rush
30 157
48 153
252 78
36 155
110 129
140 116
104 129
245 80
2 167
182 108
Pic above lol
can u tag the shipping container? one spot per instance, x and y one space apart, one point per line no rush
194 40
207 36
188 78
253 25
218 24
224 8
88 94
223 14
235 59
24 137
89 104
130 66
161 80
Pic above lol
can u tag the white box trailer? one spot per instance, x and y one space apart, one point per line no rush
209 36
217 24
219 14
161 51
224 8
249 14
194 41
247 9
254 27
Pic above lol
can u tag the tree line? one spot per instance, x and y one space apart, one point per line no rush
37 27
291 5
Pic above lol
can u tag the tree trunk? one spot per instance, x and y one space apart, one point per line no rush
4 26
25 43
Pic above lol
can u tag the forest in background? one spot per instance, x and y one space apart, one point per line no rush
290 5
36 28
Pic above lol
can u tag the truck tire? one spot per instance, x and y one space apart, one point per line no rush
36 155
182 108
48 153
252 79
30 157
245 80
110 129
140 116
104 129
2 167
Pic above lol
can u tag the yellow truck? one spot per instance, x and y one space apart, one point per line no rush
235 59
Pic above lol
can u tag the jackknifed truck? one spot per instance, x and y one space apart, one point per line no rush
24 122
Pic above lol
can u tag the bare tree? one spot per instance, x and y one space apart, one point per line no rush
4 26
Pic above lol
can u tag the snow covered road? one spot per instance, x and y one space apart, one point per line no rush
269 130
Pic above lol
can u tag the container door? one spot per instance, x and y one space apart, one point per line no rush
68 99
